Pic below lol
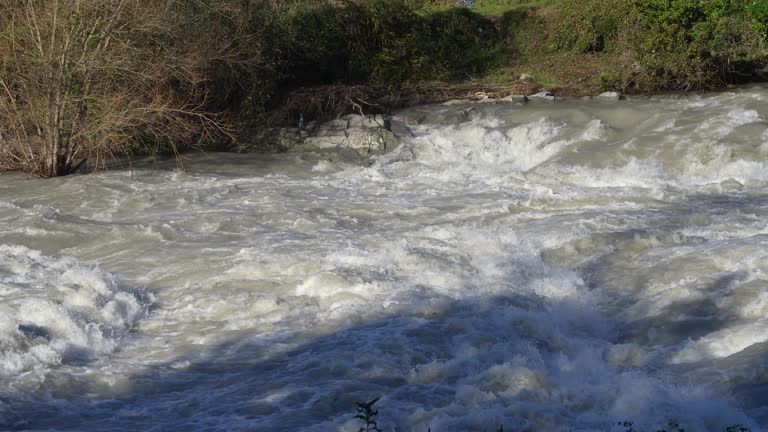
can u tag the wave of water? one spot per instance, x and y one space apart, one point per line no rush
56 311
545 266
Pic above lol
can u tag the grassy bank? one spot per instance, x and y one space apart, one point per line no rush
85 81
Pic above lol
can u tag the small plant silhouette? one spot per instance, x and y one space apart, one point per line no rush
673 427
628 426
367 414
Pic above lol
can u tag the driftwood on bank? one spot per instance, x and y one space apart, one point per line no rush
329 102
315 105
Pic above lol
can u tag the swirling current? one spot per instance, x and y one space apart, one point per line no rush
546 267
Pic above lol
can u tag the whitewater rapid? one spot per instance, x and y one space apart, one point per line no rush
549 267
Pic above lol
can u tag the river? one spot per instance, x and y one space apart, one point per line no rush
549 267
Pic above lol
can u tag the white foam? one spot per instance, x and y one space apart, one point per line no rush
543 266
723 343
56 310
481 144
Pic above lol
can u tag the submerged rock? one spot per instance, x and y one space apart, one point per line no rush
515 99
291 137
611 96
547 96
429 114
456 102
351 137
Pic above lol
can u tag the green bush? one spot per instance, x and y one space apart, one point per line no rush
385 42
679 45
758 11
693 44
590 25
448 45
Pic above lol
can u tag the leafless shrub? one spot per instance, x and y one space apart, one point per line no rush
85 81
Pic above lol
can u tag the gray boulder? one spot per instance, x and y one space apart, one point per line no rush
546 96
610 96
438 115
351 137
289 138
515 99
526 77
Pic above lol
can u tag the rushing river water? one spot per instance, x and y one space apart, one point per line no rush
549 267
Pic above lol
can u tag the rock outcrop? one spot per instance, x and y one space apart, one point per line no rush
545 95
611 96
352 137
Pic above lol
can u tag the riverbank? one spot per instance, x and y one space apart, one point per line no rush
568 49
104 83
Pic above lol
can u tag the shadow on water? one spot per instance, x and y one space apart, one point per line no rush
245 385
689 319
236 386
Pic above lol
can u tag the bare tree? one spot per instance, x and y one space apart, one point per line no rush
85 81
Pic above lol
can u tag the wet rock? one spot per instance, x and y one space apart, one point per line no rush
440 115
515 99
729 185
610 96
547 96
487 99
456 102
468 114
526 77
350 137
291 137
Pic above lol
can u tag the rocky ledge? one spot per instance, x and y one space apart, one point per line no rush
352 137
355 138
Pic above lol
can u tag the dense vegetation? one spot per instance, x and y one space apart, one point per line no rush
85 81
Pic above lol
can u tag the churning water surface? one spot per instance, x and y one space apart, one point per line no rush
548 267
